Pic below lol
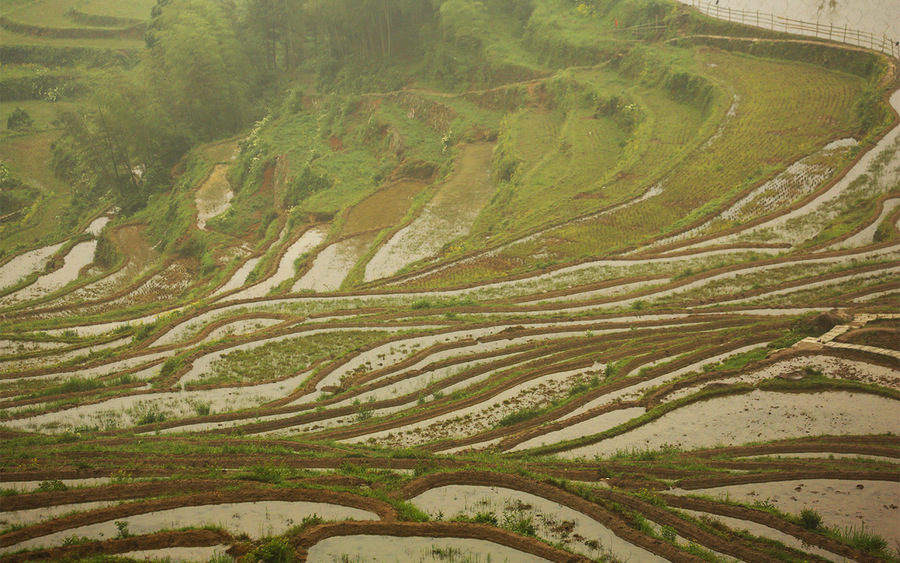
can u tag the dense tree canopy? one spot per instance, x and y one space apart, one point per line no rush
197 67
210 64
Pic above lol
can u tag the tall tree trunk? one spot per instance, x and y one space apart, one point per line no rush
380 29
387 20
109 145
288 43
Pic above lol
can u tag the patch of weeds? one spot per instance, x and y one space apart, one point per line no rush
582 386
122 529
12 528
171 366
650 498
143 332
365 411
702 553
273 550
862 539
423 467
520 416
307 522
519 523
264 474
612 369
408 512
121 476
668 533
76 540
479 518
153 415
50 486
202 409
641 524
447 553
636 454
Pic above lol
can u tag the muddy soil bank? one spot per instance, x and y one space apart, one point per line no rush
214 196
449 215
888 446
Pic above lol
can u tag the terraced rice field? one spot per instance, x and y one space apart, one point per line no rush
642 377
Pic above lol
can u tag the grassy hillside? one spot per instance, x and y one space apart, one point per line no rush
455 280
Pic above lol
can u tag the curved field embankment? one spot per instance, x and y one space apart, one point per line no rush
131 32
644 299
187 502
187 539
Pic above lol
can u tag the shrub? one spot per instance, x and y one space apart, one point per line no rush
19 119
105 253
485 518
76 540
144 331
170 366
668 533
810 519
519 416
54 485
152 416
305 184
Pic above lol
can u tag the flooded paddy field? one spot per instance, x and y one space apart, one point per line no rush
386 548
624 293
554 522
842 504
257 519
759 416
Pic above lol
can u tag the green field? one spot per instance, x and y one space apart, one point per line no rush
457 280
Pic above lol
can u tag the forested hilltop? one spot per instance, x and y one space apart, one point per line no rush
446 280
590 106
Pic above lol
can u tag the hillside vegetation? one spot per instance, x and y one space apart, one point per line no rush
444 280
